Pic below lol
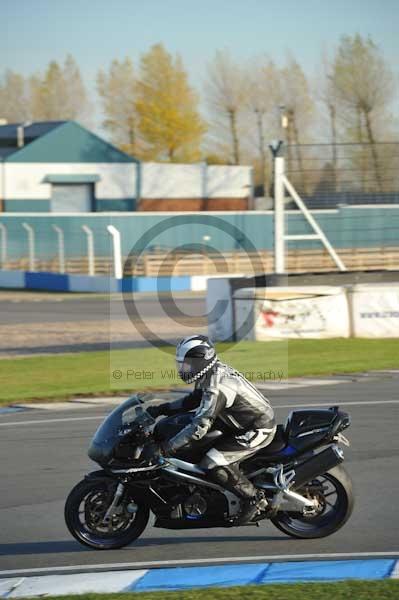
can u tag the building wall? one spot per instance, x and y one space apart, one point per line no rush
165 180
193 204
161 186
24 189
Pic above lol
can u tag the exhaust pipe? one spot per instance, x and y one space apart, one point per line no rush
317 465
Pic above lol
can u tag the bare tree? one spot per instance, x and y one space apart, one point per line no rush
364 85
325 91
14 98
299 107
77 105
262 101
226 94
59 93
117 92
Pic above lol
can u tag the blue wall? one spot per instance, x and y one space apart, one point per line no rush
345 228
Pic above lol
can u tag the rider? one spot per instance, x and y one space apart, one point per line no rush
221 393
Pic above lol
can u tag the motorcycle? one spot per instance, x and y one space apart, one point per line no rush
309 492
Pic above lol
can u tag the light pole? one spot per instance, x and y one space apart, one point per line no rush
205 239
21 133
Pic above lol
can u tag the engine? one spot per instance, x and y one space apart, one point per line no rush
195 506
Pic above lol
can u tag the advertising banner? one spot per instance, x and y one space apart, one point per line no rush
281 313
375 310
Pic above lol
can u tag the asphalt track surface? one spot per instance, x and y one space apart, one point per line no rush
83 324
41 461
96 308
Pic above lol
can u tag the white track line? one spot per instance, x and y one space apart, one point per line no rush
275 404
337 403
203 561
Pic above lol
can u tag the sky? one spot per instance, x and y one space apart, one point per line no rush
33 32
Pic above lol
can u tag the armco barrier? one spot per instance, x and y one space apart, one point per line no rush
12 279
184 578
56 282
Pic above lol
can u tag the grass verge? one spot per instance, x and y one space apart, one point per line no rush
94 373
344 590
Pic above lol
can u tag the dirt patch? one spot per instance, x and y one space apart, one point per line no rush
32 338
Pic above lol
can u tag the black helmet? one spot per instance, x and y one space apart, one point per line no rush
195 355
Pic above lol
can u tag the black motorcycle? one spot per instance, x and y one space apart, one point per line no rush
309 493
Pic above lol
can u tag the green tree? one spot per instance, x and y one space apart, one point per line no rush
117 89
169 123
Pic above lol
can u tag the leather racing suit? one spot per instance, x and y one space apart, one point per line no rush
248 418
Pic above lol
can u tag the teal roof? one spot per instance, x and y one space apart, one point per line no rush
69 143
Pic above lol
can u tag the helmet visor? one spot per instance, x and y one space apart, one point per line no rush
186 368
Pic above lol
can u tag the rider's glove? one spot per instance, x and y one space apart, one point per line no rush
155 410
153 453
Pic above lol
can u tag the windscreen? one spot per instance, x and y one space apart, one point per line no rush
107 435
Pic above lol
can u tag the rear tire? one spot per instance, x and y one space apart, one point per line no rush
85 505
324 524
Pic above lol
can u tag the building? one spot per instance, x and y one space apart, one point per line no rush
59 166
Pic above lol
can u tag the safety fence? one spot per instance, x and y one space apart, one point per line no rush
329 175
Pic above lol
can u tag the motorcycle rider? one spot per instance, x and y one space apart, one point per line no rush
220 393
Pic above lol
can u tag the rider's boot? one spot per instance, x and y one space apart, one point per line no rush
253 501
251 508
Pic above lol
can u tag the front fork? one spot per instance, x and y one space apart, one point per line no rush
116 499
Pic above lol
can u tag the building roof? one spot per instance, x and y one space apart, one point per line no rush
8 133
6 151
58 142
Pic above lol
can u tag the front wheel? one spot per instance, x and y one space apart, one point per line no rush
86 507
334 493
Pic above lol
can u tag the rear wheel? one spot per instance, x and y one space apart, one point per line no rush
334 493
86 507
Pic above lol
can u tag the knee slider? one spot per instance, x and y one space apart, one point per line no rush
201 428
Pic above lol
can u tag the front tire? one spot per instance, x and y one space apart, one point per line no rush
337 484
87 504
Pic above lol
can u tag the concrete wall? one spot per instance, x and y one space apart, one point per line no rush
345 228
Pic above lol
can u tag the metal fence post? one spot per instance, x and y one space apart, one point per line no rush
116 241
61 248
279 225
90 248
31 244
4 241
